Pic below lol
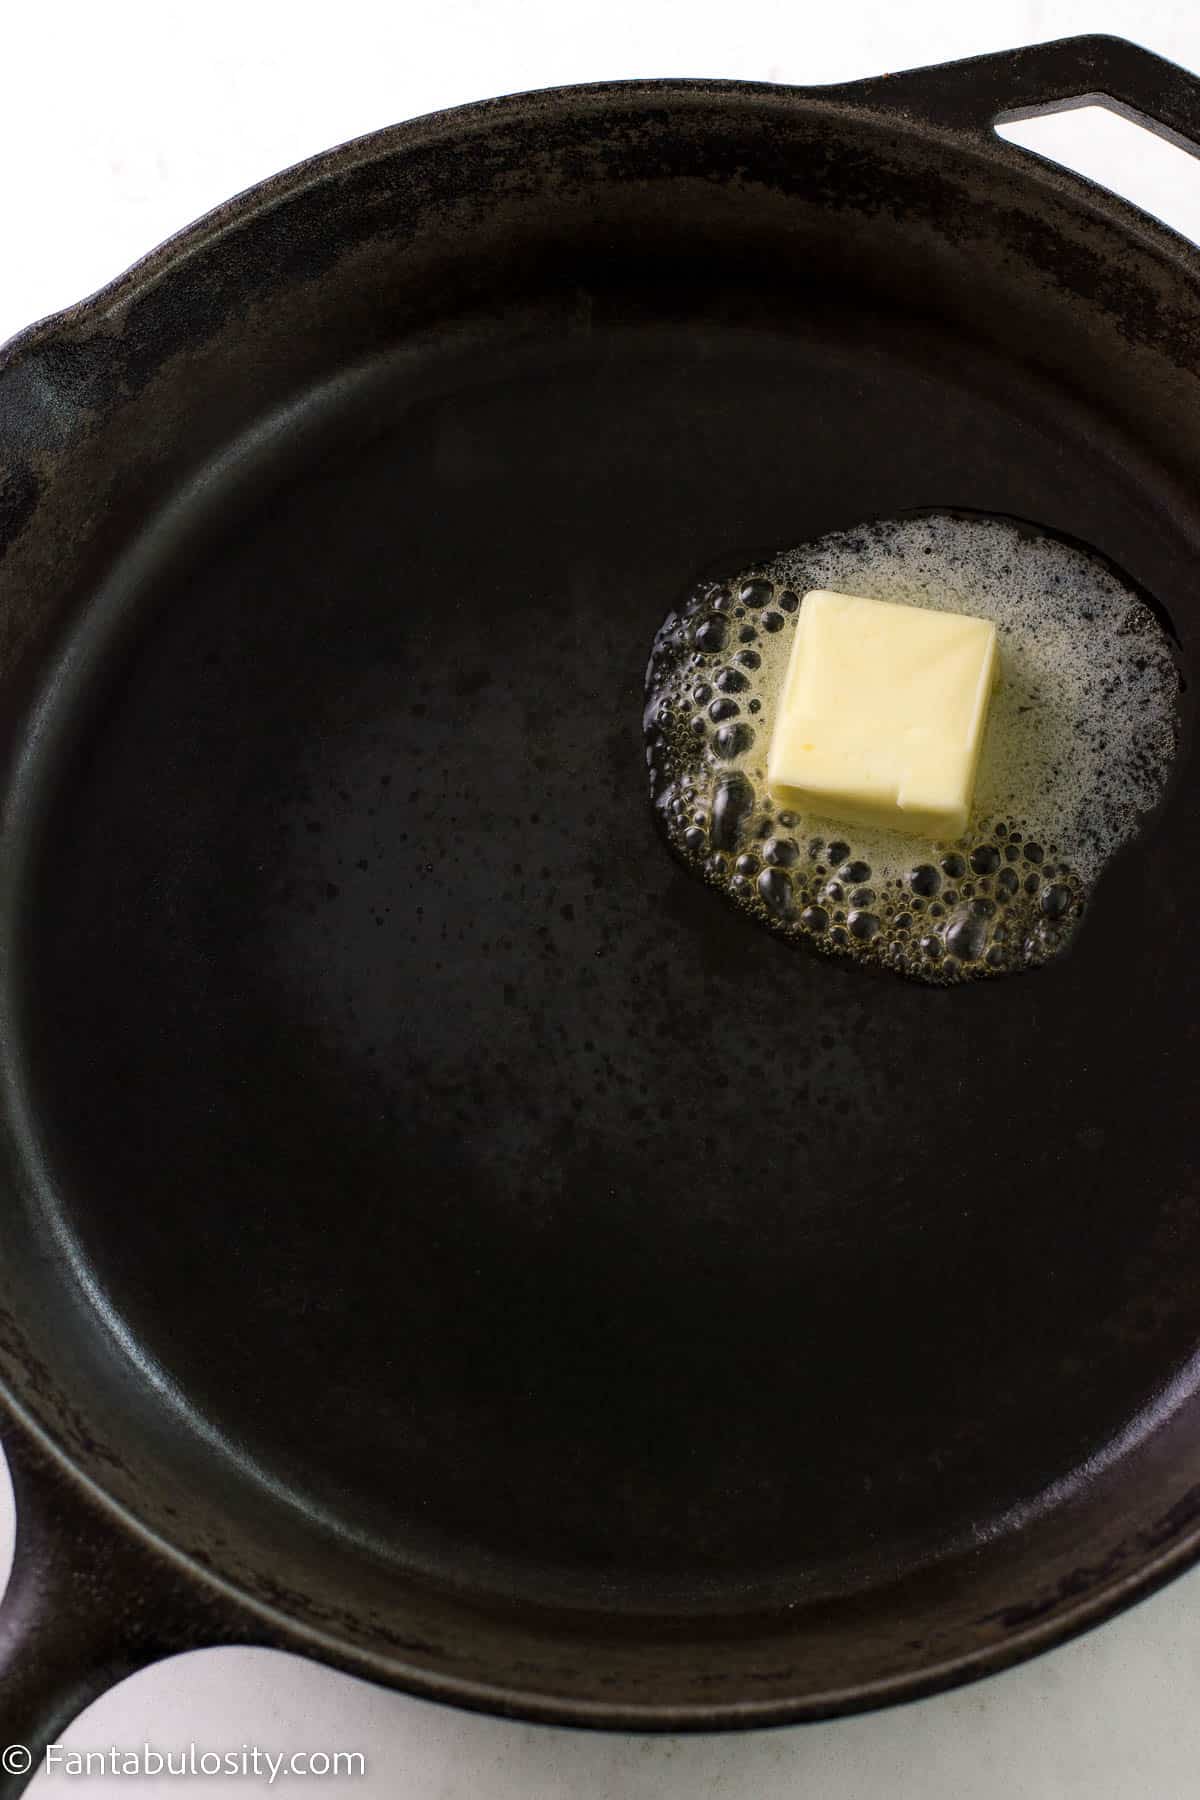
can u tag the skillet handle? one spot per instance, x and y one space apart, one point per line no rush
974 95
88 1603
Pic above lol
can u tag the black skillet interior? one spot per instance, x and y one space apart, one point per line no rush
373 1016
495 1204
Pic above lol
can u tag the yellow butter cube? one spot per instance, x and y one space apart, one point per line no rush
882 714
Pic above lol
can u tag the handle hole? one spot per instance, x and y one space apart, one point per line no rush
1114 150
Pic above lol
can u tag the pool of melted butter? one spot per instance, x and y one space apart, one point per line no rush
1080 739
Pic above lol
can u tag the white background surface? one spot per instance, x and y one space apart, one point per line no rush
121 121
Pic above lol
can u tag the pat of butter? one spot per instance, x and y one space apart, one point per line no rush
882 714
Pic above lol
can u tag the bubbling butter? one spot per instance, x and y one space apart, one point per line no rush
1078 748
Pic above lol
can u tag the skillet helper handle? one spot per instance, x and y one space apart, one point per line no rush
88 1603
975 95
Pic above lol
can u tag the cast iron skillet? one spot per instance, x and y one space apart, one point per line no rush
439 1237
